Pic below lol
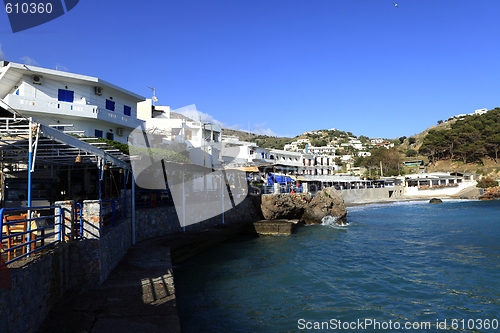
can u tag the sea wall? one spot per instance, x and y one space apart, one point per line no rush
36 285
372 194
41 280
438 191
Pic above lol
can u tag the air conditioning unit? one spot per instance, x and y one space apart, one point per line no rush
36 79
119 131
98 91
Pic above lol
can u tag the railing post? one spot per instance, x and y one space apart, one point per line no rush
1 224
67 216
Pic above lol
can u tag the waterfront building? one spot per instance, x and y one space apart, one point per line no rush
438 183
202 139
72 103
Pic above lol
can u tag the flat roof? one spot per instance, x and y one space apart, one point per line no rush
56 74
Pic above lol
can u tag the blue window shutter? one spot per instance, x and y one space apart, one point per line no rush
127 110
110 105
98 134
65 95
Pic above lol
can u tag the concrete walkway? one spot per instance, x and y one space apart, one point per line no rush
139 294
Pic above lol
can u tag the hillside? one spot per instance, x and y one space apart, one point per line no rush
263 141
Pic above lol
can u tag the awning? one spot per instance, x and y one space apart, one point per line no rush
246 169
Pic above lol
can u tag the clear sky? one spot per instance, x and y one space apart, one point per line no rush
283 67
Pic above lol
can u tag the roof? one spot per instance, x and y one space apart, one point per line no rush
10 67
50 146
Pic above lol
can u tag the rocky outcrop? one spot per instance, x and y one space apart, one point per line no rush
304 206
284 206
327 202
491 193
435 201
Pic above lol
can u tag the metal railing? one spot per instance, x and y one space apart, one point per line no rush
23 233
113 211
153 198
267 189
78 221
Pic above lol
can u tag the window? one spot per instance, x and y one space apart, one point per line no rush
109 136
110 105
98 134
127 110
65 95
251 152
189 135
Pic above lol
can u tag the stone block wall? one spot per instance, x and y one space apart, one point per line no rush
40 281
154 222
37 284
372 194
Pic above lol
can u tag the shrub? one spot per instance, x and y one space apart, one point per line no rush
487 182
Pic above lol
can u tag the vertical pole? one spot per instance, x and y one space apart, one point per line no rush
61 225
133 209
30 159
99 174
222 191
183 204
125 192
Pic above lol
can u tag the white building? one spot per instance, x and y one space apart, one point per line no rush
325 150
72 103
481 111
294 146
173 127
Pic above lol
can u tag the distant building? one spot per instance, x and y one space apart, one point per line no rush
385 144
203 139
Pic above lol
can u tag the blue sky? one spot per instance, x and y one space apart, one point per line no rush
283 67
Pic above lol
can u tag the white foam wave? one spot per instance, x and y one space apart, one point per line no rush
331 221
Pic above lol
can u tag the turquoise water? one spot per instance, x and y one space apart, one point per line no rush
407 264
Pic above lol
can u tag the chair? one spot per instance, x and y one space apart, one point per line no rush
35 224
16 230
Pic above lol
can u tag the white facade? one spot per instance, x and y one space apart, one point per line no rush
72 103
175 128
329 149
435 184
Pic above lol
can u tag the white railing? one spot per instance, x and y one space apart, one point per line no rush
70 109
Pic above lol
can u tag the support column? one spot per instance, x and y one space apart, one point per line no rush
67 220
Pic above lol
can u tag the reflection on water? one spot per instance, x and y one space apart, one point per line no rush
404 262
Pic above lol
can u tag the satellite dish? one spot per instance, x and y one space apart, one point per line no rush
155 99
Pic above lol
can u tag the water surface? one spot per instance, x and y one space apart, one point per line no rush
398 263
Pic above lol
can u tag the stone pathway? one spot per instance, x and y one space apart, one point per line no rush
139 294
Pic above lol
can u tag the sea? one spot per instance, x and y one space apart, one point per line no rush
399 267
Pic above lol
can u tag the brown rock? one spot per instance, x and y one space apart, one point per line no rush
284 206
327 202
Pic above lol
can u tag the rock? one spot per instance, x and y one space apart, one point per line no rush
435 201
491 193
327 202
276 227
284 206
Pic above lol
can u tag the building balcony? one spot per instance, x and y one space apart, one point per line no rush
58 108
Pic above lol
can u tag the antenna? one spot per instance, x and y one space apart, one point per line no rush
154 94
